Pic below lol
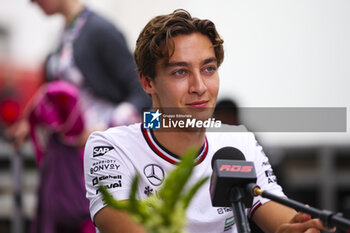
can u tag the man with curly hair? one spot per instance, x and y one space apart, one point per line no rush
177 59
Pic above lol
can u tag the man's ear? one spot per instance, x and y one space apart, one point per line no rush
147 84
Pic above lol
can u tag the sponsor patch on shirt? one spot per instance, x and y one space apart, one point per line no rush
101 150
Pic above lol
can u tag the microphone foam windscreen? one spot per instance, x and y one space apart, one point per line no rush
229 153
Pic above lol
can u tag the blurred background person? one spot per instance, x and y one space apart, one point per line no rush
78 96
227 111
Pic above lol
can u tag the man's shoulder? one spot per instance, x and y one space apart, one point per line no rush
229 132
125 130
99 24
119 133
127 140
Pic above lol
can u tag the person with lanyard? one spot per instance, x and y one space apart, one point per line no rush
177 58
91 84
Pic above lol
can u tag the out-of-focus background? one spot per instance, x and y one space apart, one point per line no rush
278 53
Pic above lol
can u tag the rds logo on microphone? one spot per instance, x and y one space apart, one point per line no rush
235 168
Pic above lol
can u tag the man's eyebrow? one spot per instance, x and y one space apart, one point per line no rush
181 63
210 60
176 63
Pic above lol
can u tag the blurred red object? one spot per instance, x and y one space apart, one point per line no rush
9 111
17 86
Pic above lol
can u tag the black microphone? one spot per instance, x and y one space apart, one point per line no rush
231 174
328 218
233 184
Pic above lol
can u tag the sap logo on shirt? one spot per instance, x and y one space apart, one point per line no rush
101 150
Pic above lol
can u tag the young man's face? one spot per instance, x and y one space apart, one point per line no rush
189 82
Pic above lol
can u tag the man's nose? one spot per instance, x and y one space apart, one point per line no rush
197 84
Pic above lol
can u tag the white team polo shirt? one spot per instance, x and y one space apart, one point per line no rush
113 157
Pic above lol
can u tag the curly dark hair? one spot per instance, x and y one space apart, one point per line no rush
157 36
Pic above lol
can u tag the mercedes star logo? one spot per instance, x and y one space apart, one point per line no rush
154 174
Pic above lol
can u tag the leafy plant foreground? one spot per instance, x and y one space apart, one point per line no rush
167 212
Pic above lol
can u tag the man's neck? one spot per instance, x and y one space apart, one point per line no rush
178 142
71 10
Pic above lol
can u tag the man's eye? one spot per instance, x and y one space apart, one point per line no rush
210 69
179 72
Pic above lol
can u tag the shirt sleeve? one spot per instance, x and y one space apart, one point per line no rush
105 164
266 178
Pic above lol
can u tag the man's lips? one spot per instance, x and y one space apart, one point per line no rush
198 104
